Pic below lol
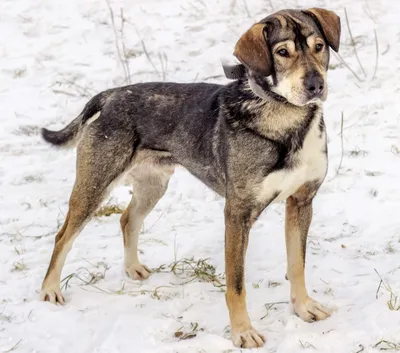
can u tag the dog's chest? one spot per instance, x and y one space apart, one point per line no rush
309 165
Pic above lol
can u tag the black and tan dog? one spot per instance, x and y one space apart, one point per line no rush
254 141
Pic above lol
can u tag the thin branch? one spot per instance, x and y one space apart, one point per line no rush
123 61
341 139
354 43
14 346
376 54
124 47
348 67
246 8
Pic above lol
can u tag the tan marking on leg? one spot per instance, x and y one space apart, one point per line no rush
77 217
237 227
298 220
89 190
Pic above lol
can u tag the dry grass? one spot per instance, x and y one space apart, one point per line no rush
190 333
270 307
273 284
75 89
108 210
13 347
4 317
90 278
306 345
86 276
357 152
394 301
19 266
191 270
384 345
157 293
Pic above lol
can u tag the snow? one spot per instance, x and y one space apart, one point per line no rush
55 54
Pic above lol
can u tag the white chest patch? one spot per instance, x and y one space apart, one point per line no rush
311 165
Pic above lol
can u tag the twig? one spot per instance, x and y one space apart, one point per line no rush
247 9
389 346
341 139
379 287
128 77
159 217
164 63
124 62
376 54
149 59
368 11
14 346
64 92
353 43
274 303
348 67
306 345
393 302
361 348
269 306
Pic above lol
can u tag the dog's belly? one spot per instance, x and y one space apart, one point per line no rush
309 165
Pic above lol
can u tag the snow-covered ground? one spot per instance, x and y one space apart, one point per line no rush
56 54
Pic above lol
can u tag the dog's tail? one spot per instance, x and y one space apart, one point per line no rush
69 136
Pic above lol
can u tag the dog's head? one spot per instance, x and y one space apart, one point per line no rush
291 47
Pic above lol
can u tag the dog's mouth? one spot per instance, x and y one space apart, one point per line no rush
299 96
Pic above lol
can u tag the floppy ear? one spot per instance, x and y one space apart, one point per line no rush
330 25
252 50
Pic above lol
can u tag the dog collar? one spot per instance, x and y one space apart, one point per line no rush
234 72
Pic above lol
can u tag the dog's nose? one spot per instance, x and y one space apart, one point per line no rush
314 84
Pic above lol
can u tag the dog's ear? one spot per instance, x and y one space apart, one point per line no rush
252 50
330 25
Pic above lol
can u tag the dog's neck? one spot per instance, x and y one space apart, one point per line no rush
276 116
261 87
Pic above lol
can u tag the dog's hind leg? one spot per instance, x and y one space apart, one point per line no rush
100 161
149 185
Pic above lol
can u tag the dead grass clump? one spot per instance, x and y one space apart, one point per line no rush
394 301
384 345
19 266
109 210
191 270
190 333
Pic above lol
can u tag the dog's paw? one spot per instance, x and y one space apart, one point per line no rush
310 310
52 294
138 271
248 339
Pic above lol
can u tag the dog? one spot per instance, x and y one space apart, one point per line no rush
259 139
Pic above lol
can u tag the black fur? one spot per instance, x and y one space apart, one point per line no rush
62 137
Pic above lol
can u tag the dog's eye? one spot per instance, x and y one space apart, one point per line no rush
319 47
283 52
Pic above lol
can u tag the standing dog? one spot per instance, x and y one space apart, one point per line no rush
254 141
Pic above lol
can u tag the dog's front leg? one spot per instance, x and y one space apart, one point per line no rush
298 220
238 221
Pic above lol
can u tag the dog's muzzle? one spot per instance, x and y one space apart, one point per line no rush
314 85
